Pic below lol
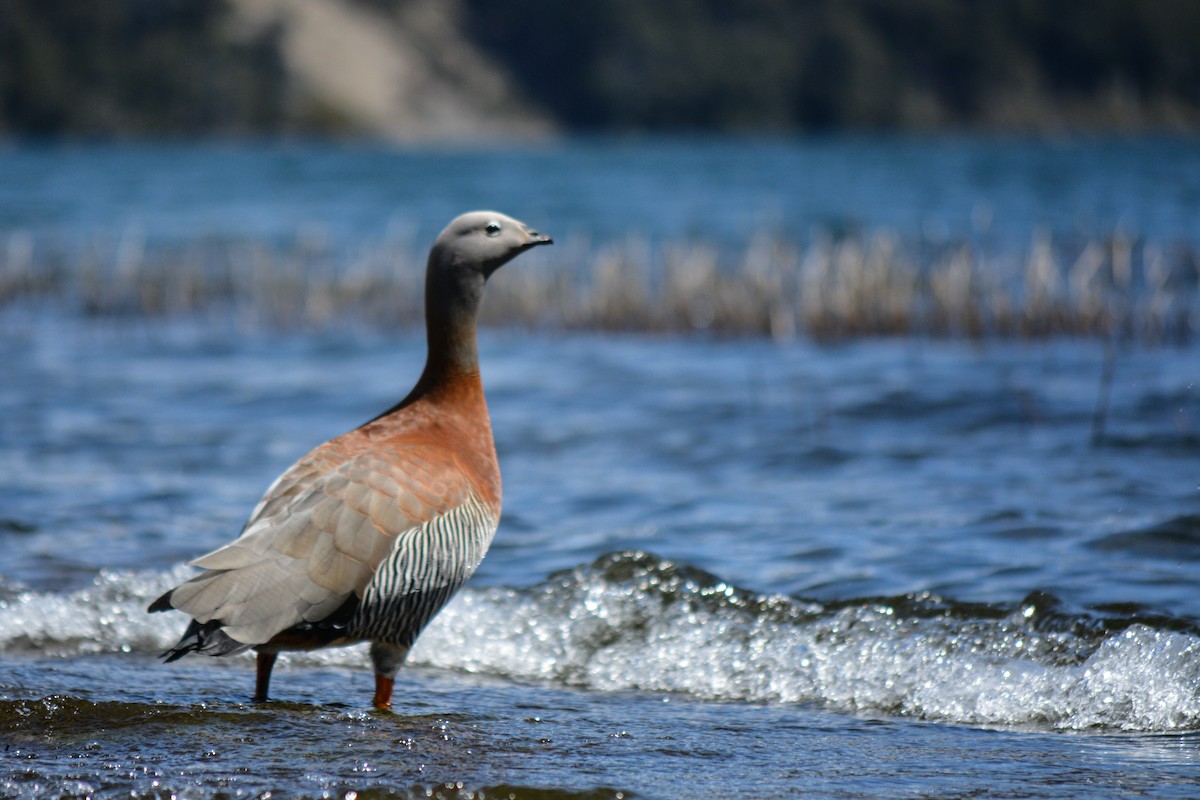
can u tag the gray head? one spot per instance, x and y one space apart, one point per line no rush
481 242
465 254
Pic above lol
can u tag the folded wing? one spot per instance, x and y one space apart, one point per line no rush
322 532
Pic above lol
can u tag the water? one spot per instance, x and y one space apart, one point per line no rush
722 190
725 568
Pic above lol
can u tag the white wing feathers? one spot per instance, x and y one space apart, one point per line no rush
319 536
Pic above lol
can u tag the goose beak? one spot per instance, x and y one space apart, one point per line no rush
536 238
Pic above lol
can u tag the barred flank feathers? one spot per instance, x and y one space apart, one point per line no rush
423 571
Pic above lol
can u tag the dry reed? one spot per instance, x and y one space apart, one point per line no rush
825 287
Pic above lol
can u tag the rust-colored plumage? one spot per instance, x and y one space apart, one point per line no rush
367 536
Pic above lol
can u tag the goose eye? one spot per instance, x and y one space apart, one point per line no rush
492 229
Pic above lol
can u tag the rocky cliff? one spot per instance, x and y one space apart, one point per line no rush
405 75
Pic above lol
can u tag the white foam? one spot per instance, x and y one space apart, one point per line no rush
662 631
861 658
106 617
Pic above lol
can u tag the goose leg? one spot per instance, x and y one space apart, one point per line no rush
383 691
386 658
262 677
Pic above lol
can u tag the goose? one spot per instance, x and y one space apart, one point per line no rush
366 537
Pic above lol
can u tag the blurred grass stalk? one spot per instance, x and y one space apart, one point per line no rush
828 288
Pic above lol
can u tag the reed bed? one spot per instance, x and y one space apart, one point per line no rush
826 287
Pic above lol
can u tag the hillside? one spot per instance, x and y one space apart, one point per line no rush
445 70
405 75
239 67
783 65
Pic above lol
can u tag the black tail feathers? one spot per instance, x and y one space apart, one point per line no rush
200 637
203 637
161 604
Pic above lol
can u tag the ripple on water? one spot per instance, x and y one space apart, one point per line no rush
633 621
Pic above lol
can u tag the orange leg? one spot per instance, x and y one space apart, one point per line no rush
262 678
383 691
386 658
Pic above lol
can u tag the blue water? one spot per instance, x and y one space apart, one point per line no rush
726 568
722 190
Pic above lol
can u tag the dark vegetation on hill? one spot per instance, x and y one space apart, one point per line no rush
133 67
155 67
822 64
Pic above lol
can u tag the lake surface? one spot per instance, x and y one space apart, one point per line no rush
726 568
723 190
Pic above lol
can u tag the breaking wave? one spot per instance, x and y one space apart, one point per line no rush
633 621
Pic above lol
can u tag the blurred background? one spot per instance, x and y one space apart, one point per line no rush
976 168
420 70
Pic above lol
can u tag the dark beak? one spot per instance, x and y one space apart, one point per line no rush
536 238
